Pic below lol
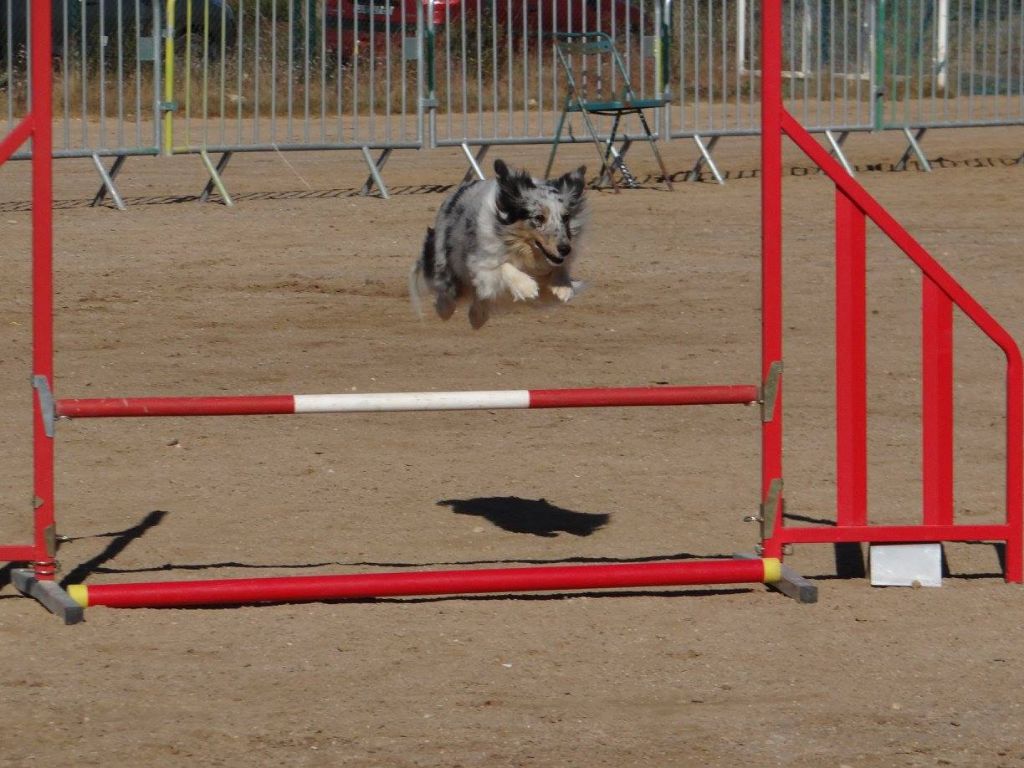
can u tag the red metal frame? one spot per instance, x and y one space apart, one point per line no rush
940 293
38 127
853 207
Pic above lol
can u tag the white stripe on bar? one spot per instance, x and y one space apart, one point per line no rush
413 401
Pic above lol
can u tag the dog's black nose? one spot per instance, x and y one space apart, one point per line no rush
563 249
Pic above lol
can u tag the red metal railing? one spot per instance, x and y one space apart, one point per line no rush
853 207
940 293
38 126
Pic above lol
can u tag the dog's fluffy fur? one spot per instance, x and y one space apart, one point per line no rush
508 236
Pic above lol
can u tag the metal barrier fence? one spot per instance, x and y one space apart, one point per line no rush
498 80
105 74
225 76
854 64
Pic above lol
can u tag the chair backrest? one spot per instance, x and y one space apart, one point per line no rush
592 44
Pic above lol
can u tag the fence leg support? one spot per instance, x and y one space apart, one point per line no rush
107 177
617 161
49 594
474 162
374 179
705 158
915 147
215 178
837 149
792 584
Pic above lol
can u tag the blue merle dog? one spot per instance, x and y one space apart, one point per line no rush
508 236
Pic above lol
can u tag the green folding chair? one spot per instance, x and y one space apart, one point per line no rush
615 102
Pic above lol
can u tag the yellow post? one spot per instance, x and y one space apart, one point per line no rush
169 78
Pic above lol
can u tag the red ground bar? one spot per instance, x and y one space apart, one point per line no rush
17 554
620 396
892 533
291 589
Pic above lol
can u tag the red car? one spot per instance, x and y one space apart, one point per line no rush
363 21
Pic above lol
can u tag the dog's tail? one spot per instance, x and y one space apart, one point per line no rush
421 272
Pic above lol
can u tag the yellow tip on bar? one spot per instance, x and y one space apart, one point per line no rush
80 594
772 570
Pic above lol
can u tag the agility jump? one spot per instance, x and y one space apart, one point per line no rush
854 206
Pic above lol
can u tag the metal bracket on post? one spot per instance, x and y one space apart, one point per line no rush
107 177
47 405
474 162
770 510
375 179
770 391
915 147
790 583
215 179
706 159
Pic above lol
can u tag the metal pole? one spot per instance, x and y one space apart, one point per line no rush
168 105
771 247
42 293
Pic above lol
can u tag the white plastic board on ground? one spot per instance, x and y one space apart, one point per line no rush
906 565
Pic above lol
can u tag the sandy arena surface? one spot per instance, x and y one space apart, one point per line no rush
301 288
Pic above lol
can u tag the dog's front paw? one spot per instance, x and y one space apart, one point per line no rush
563 292
523 287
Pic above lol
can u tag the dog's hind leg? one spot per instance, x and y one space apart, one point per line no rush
442 281
479 311
445 306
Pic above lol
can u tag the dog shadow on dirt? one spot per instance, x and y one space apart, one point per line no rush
536 517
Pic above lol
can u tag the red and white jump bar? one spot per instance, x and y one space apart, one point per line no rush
245 405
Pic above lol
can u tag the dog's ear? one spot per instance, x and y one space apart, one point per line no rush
572 187
510 201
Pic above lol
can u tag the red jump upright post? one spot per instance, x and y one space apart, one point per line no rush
37 126
772 500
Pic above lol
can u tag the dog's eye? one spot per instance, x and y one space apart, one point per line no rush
539 219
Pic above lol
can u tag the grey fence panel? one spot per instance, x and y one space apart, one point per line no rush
850 64
952 62
105 70
827 72
299 74
266 75
496 77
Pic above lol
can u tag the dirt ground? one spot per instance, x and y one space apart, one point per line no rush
301 288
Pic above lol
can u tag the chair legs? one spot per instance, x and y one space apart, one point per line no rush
554 145
612 157
654 149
